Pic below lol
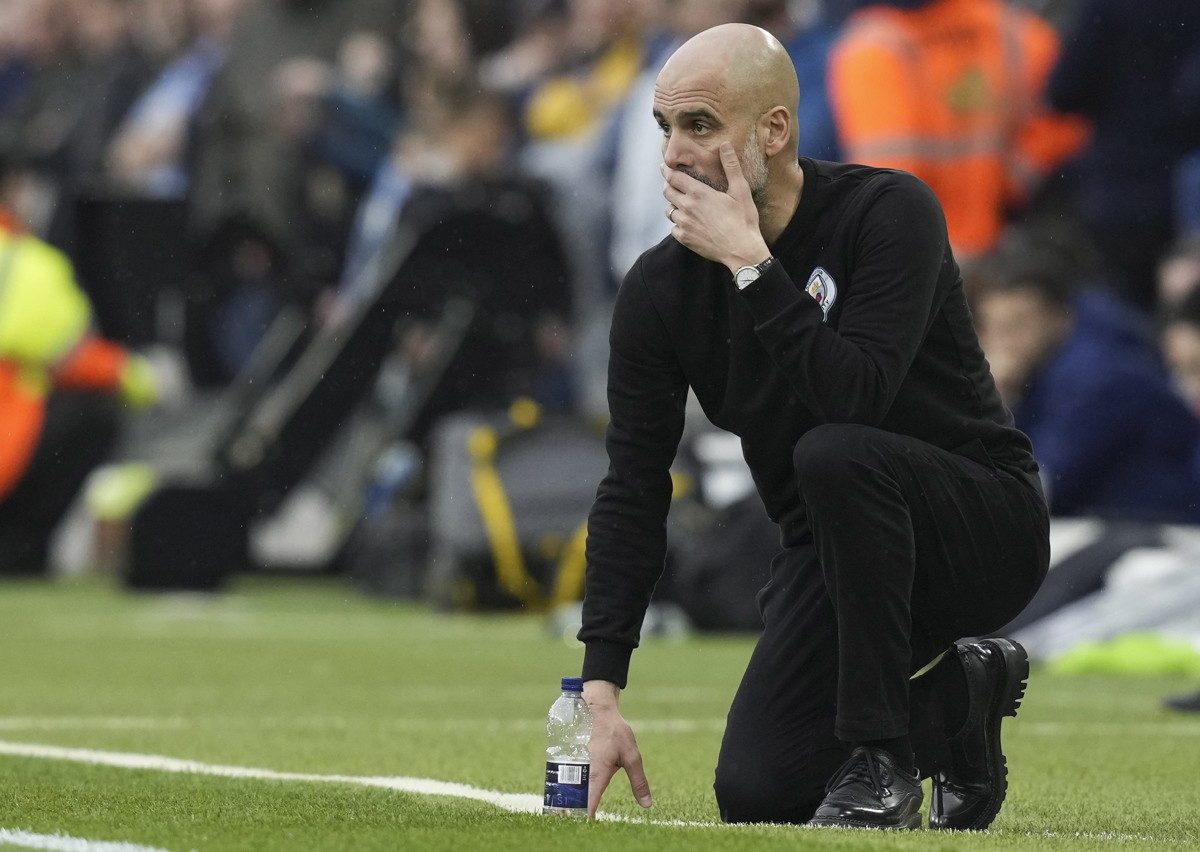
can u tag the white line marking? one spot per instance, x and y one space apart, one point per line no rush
67 843
516 802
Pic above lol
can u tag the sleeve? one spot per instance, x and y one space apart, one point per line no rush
852 374
626 544
95 363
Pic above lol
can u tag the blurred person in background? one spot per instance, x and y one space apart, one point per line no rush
61 389
1122 181
113 68
269 207
449 178
150 151
1084 379
953 92
19 32
88 68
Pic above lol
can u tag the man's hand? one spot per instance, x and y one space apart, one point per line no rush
612 746
720 226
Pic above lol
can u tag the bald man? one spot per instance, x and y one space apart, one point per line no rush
816 311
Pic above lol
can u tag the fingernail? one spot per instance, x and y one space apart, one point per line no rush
645 802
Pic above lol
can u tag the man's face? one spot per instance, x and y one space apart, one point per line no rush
694 124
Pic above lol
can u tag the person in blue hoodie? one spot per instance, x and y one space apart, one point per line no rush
1081 372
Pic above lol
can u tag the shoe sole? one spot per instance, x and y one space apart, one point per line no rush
1005 702
913 823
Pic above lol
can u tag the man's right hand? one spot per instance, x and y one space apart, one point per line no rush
612 746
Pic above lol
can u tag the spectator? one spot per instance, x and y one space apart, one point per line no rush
256 121
59 385
91 71
1084 380
149 151
952 91
482 234
1123 178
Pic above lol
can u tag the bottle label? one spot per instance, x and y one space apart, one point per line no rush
567 785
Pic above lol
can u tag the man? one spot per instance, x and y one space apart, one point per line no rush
816 311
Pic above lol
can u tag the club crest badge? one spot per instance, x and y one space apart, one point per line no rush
823 288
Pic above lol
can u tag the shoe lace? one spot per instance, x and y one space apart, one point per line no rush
863 765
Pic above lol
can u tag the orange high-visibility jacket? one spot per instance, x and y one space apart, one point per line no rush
65 353
952 91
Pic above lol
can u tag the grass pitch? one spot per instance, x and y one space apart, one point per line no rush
312 718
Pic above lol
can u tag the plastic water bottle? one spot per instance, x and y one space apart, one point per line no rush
568 762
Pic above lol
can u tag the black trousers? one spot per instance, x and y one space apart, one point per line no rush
904 549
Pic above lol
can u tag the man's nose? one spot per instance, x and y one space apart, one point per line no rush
675 151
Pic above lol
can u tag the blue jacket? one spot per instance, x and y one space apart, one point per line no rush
1112 437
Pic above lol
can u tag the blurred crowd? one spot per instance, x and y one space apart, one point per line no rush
193 169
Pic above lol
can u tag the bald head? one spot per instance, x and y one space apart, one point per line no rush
742 66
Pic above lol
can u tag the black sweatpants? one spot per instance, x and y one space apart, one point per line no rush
904 549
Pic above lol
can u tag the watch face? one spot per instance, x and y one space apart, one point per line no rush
746 276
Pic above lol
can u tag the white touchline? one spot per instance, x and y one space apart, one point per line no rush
67 843
517 802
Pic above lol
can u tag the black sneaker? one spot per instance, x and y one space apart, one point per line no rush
968 794
1188 703
870 791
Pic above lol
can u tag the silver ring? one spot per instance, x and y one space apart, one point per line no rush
671 214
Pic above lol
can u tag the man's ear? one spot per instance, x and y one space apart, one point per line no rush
777 123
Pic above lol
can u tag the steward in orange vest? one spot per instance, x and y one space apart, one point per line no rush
952 91
46 346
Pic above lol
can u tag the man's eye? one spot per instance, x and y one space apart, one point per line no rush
699 128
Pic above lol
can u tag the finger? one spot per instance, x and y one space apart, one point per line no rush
638 782
677 184
601 774
733 169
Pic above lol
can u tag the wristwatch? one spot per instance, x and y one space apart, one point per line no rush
747 275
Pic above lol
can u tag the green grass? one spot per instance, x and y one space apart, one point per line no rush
308 676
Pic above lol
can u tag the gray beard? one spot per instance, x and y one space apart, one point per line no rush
754 167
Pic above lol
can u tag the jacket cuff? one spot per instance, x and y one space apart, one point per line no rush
772 294
606 661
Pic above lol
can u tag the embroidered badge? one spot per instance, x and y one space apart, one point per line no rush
823 288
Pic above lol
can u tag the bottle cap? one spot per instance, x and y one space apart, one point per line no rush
572 684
